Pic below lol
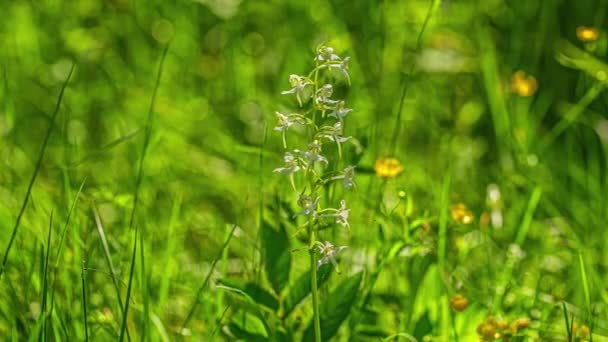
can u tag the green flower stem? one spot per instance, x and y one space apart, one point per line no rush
314 92
313 282
312 233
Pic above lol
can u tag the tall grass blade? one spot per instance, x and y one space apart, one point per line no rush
443 218
568 330
84 302
527 220
123 327
108 257
43 315
60 246
147 135
36 170
144 290
585 281
199 292
433 6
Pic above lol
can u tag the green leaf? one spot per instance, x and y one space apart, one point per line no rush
248 327
248 303
336 308
571 56
423 327
242 334
277 256
301 288
371 331
255 292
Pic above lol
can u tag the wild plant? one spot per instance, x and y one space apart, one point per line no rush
308 169
315 173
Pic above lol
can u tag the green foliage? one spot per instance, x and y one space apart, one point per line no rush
253 291
277 256
478 135
336 307
300 288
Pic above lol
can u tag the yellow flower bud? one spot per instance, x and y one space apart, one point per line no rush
388 167
587 34
459 303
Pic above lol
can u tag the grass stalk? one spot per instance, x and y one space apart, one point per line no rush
107 255
200 290
147 135
84 302
42 316
123 326
144 290
35 173
108 258
59 247
585 282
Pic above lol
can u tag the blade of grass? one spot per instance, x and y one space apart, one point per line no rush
585 281
84 302
395 336
572 115
433 6
42 316
144 289
443 218
261 179
105 148
219 323
123 327
168 257
527 220
136 191
147 135
223 271
67 222
494 91
162 332
520 238
108 257
60 246
568 331
36 170
443 305
199 292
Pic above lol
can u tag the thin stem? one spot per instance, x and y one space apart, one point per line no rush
313 282
84 303
314 92
35 174
407 77
312 233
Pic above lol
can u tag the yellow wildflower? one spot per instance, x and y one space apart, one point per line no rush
585 332
388 167
459 303
487 330
587 34
523 84
461 213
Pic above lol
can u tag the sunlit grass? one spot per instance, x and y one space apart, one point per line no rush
459 188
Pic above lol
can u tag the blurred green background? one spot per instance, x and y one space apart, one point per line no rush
435 84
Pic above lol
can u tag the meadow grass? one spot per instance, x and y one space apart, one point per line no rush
138 198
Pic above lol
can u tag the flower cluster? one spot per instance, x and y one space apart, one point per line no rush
492 329
324 118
